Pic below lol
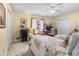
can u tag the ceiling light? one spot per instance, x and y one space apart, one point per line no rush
53 11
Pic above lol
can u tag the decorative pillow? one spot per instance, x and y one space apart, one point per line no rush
72 42
76 50
61 36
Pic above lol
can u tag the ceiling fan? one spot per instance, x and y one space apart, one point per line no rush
54 7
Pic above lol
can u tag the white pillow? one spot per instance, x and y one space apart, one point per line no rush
76 50
60 36
72 42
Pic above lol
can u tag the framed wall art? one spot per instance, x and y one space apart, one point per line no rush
23 21
2 16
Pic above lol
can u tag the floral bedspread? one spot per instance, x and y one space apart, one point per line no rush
48 46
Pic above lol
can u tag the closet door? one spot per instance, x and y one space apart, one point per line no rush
9 28
63 26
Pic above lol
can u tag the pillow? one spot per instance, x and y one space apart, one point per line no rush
76 50
72 42
60 36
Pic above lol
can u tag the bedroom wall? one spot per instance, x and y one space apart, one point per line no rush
4 34
16 22
74 17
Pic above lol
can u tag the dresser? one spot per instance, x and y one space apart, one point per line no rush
23 33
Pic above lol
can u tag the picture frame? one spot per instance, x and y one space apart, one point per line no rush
23 21
2 16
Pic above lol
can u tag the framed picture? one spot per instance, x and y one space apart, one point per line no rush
23 21
2 16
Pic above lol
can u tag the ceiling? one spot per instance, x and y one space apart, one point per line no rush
44 9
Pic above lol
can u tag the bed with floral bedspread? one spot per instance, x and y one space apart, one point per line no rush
44 45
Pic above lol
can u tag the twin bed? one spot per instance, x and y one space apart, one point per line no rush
44 45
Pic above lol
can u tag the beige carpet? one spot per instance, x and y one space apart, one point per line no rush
19 49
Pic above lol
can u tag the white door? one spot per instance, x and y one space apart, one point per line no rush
9 28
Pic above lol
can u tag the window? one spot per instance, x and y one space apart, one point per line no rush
40 25
37 24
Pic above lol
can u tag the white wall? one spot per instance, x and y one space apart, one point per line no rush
6 33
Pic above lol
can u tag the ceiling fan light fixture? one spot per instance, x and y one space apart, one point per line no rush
52 11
